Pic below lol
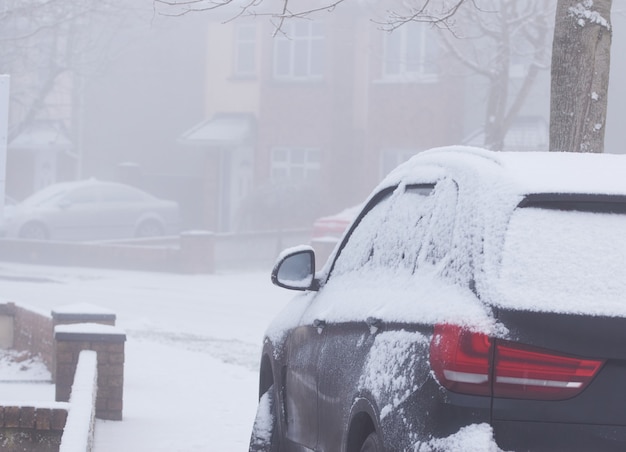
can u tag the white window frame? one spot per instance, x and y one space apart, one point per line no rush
409 62
299 51
243 42
290 168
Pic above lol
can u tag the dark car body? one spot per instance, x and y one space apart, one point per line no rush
91 210
477 302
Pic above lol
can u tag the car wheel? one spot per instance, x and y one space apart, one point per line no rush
33 231
372 443
149 228
264 437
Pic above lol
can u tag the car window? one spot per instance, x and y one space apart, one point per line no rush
47 195
391 233
564 260
120 193
83 195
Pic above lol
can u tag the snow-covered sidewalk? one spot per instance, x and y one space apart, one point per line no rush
191 353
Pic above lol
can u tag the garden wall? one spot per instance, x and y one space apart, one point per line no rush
191 252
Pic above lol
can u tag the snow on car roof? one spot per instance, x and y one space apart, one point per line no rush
524 172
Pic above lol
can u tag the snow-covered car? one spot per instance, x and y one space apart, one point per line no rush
477 302
91 210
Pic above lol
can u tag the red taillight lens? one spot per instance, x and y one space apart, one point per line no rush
529 373
461 359
473 363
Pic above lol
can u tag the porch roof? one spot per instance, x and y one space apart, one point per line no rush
223 129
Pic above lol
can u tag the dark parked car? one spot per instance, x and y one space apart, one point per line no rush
477 302
90 210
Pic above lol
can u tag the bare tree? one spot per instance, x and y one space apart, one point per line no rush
580 75
46 45
509 36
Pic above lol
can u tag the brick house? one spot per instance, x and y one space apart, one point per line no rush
325 108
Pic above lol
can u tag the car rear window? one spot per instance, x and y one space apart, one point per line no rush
565 256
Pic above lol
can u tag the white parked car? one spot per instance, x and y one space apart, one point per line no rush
91 210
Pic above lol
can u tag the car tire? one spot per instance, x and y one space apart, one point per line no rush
33 231
149 228
372 443
264 437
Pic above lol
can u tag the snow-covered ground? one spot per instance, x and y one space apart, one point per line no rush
193 344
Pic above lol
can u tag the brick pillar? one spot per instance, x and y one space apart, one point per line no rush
108 342
82 313
79 313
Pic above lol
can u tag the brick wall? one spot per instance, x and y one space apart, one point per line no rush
32 428
32 332
192 252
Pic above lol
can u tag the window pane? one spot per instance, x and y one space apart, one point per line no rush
245 59
413 46
246 32
279 155
317 57
313 156
298 156
301 58
392 52
297 173
282 57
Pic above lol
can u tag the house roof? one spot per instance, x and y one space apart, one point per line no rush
223 129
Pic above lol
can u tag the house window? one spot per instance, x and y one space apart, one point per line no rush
410 54
297 164
245 46
299 51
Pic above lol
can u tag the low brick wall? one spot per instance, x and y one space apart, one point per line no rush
91 381
32 428
191 252
32 331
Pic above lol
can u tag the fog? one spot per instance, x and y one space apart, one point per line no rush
250 128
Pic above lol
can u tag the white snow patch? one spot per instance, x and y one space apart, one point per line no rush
79 427
392 363
22 366
583 13
88 328
472 438
264 421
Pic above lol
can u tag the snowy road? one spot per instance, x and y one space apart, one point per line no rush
191 352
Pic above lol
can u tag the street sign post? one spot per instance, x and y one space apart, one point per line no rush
4 127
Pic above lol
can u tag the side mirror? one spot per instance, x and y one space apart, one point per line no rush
295 269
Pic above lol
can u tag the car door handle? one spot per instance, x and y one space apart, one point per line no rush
374 324
319 324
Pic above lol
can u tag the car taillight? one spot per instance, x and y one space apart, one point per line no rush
473 363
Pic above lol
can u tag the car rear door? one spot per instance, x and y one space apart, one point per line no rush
364 355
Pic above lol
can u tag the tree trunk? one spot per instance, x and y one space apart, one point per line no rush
580 75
